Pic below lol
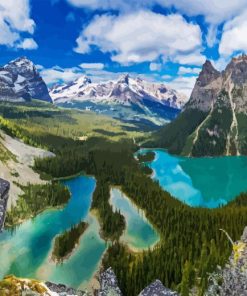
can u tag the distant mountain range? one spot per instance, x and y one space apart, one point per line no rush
20 81
214 121
127 98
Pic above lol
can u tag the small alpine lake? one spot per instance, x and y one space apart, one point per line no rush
139 234
200 182
26 251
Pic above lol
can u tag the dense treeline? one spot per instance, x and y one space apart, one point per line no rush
112 223
35 199
149 156
173 136
188 235
67 241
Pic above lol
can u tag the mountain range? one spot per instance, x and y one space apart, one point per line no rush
214 120
127 98
21 81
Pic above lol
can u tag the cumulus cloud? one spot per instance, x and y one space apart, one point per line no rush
15 20
98 66
58 74
188 70
214 11
28 44
193 58
234 35
183 84
140 36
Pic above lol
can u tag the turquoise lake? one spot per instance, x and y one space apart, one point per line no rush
27 251
200 182
136 222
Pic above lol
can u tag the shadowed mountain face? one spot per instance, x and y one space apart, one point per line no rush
214 120
126 98
20 81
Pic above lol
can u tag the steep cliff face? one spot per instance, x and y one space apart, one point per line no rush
214 119
207 87
20 81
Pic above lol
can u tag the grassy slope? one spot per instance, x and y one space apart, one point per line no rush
42 118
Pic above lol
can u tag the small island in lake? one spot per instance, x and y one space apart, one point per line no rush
66 242
146 157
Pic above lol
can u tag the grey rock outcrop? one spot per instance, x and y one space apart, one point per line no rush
157 289
21 81
108 284
63 290
207 86
232 279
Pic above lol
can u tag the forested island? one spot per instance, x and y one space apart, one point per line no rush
66 242
146 157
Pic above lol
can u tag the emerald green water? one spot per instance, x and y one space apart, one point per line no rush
205 182
136 222
27 251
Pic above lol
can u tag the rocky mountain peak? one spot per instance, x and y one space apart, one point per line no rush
124 79
237 68
208 74
20 80
83 80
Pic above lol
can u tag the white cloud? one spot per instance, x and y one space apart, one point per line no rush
194 58
14 20
57 74
155 66
214 11
183 84
140 36
234 35
39 67
98 66
188 70
167 77
28 43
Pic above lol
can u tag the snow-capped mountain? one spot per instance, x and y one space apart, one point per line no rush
20 81
126 98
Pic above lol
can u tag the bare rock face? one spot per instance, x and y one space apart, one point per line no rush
20 81
207 86
212 122
157 289
109 284
232 279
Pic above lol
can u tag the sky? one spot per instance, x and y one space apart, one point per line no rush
159 40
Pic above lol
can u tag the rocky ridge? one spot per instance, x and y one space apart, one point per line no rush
21 81
108 287
125 90
214 119
126 98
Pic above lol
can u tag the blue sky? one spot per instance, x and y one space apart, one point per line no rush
160 40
